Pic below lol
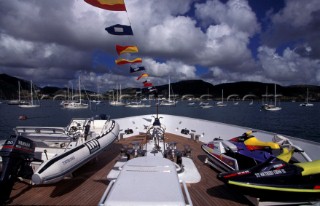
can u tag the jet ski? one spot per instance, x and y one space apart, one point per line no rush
278 180
246 151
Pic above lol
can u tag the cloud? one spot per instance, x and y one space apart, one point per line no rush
53 41
290 49
237 14
175 38
39 61
293 16
296 24
288 66
178 70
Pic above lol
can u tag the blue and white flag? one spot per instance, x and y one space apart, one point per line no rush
136 69
119 30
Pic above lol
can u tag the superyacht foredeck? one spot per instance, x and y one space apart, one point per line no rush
89 182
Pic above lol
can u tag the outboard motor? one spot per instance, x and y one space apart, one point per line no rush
17 154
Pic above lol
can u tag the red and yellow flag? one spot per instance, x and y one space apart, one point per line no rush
125 61
126 49
113 5
143 75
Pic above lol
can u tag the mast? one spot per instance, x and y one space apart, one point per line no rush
275 95
222 96
169 90
19 91
31 92
117 92
266 100
79 89
113 95
68 94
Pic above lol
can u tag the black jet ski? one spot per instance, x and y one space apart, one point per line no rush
277 180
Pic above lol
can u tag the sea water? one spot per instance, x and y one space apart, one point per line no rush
292 120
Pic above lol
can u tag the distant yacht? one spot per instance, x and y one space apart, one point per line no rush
221 104
117 101
306 103
31 103
206 106
137 104
17 101
191 104
272 107
76 104
168 102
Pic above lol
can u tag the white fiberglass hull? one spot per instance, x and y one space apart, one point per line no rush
57 168
271 108
116 103
75 105
29 105
206 130
306 105
138 106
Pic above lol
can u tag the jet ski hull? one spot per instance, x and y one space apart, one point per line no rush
225 155
220 162
276 180
282 193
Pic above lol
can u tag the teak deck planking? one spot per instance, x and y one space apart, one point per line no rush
88 183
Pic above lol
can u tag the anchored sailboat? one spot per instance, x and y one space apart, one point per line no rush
117 101
221 104
77 104
31 103
272 107
168 102
306 103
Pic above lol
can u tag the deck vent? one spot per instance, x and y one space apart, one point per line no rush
185 131
128 131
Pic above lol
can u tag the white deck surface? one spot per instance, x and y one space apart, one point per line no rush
147 181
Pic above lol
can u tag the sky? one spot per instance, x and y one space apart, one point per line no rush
53 42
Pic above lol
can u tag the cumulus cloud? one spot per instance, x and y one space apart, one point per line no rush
53 41
170 68
290 65
298 23
228 30
290 49
237 14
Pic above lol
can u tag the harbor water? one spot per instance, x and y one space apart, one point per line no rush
293 120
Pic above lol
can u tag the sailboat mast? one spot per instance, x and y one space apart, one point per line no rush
79 90
71 91
117 92
19 91
275 95
222 96
113 95
31 93
169 90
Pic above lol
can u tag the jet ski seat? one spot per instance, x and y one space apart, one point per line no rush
286 154
309 168
253 144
